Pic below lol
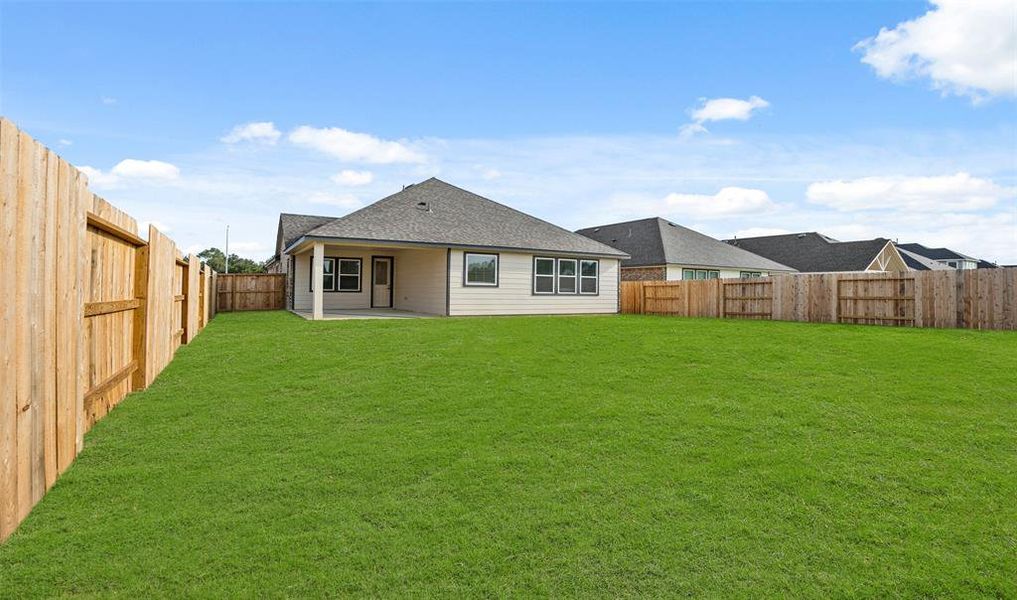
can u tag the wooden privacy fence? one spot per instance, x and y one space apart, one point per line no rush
91 312
973 299
252 291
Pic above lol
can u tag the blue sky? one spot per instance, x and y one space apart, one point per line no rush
577 113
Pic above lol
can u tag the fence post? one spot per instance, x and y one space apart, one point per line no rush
139 340
191 298
961 300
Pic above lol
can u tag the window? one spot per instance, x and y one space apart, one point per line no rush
480 269
588 276
349 275
543 275
750 274
567 275
700 274
328 278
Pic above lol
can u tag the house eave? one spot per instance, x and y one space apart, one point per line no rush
305 239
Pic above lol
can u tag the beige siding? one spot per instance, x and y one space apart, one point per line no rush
420 280
514 295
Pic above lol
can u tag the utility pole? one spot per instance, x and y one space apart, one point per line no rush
227 250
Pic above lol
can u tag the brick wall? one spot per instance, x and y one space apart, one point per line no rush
643 273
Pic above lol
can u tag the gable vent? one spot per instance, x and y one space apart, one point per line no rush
424 206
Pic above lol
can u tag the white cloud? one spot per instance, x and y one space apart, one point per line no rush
720 109
353 178
726 202
261 131
108 100
723 109
162 227
959 192
64 142
96 178
759 232
131 169
345 201
489 174
964 47
354 147
145 169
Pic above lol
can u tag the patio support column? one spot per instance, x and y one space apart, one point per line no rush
318 297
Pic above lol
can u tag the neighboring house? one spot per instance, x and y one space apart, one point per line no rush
813 252
662 250
438 249
917 262
943 256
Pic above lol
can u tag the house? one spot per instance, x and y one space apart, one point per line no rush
813 252
434 248
917 262
943 256
662 250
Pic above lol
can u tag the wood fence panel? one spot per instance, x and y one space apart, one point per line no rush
975 299
192 273
251 291
87 303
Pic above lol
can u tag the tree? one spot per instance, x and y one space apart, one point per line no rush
216 259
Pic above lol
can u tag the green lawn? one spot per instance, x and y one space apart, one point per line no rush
561 456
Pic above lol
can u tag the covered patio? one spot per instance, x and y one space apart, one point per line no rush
355 281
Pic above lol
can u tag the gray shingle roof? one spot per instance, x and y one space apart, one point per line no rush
291 227
934 253
813 252
435 212
656 241
919 262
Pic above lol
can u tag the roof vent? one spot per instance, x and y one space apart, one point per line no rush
424 206
801 235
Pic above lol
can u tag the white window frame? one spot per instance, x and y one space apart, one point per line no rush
558 276
324 288
466 269
339 274
750 274
595 278
553 276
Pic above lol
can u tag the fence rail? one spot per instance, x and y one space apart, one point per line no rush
91 312
972 299
251 291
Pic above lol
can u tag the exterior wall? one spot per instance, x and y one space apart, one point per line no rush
674 272
420 280
514 294
643 273
418 283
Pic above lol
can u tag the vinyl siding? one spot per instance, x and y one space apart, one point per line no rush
674 272
514 295
419 283
420 280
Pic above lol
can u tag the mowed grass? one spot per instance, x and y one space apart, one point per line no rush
549 456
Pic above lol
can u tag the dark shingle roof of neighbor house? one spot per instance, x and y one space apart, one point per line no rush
656 241
813 252
985 264
435 212
919 262
291 227
934 253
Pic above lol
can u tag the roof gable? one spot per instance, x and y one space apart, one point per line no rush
435 212
657 241
292 226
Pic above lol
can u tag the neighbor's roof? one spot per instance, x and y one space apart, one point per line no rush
919 262
656 241
813 252
435 212
291 227
934 253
